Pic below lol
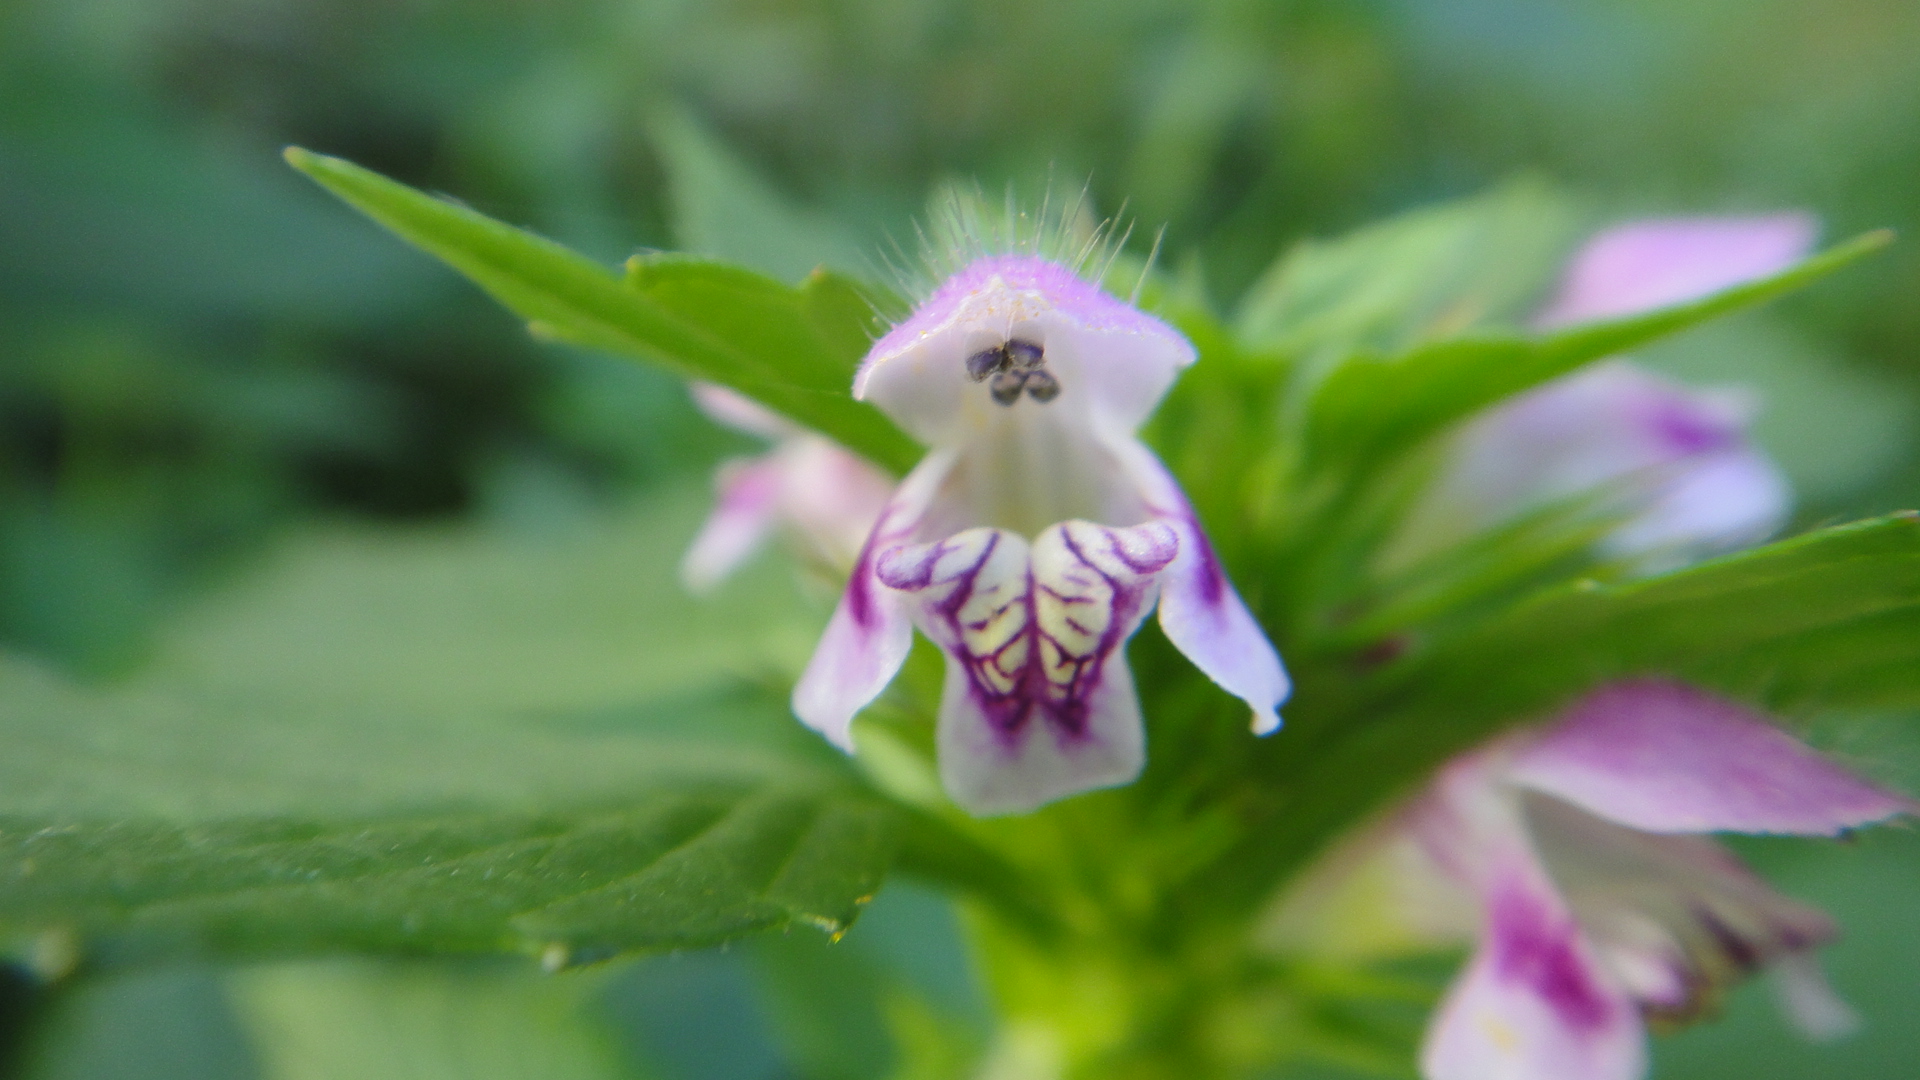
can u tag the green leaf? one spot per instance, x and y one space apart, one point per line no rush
452 739
440 740
792 348
364 670
1376 405
1701 624
722 208
1829 619
1430 273
351 1020
664 869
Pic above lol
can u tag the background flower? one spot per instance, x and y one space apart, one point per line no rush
827 497
1674 466
1596 905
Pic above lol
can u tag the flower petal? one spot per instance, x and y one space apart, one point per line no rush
1724 501
1038 701
1677 919
1206 620
1200 612
1533 1004
1533 1001
1809 1000
1674 462
869 635
747 505
831 497
863 646
1662 757
1109 358
1652 264
740 412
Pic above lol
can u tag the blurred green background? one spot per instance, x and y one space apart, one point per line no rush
205 363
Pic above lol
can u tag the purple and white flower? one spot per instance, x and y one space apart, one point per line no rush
826 495
1032 540
1674 463
1599 901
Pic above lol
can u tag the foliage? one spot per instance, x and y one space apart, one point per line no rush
725 836
514 735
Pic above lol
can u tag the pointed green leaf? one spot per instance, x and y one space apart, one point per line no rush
1787 598
1374 406
1432 272
793 349
1828 619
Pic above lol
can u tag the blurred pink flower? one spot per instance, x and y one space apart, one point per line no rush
1598 901
1673 462
1032 540
1659 262
827 496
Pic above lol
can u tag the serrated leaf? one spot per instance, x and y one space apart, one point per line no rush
452 740
363 671
1693 622
1828 619
666 869
772 860
443 740
698 320
1375 405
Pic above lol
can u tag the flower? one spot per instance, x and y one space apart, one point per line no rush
1676 463
1598 903
1032 540
1655 263
827 495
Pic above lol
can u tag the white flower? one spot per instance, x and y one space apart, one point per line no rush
1032 540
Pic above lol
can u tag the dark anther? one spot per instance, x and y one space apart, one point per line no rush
986 362
1006 385
1014 366
1042 386
1023 355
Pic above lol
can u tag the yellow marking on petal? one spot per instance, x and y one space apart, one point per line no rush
1500 1033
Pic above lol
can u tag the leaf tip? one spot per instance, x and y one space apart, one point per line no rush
300 158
